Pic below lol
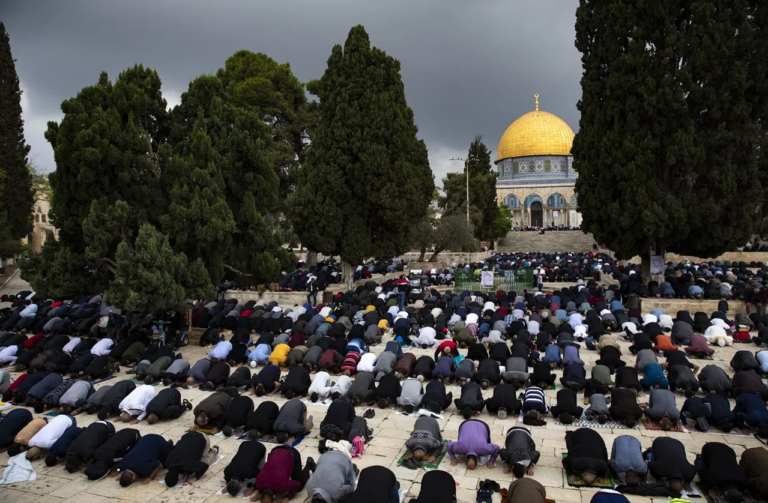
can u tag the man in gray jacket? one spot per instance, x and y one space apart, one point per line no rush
334 478
410 395
176 372
385 364
519 452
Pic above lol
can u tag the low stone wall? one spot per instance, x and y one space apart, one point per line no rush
451 257
731 256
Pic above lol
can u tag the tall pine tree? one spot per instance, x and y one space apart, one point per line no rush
18 193
482 191
366 178
670 146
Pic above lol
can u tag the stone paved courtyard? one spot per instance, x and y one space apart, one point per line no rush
55 485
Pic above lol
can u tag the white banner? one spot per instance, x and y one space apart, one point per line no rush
486 279
657 264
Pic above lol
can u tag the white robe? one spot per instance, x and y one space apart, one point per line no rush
321 384
367 363
136 402
342 385
103 347
71 345
51 432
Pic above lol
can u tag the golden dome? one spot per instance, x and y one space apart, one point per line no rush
536 133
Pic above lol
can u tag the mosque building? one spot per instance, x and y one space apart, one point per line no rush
536 179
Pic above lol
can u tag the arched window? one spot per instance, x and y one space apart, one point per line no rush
37 217
575 201
42 218
512 202
556 200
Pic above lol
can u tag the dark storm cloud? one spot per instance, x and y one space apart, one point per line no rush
469 67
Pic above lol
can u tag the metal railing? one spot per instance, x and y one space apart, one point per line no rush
502 280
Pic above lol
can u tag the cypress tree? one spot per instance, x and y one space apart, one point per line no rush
366 178
18 193
669 149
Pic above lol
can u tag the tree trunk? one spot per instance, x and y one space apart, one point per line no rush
433 258
645 267
348 273
421 255
311 258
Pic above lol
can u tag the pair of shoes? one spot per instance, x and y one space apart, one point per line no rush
492 485
370 413
411 464
187 404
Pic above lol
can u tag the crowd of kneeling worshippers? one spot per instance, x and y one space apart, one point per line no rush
502 340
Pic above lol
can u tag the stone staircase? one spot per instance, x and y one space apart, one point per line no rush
551 241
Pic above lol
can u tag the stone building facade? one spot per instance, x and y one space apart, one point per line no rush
536 179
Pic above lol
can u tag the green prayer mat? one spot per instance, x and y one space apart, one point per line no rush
438 459
53 413
576 480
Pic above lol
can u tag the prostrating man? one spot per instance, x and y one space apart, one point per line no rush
236 415
282 476
334 478
111 452
750 409
133 408
471 402
754 463
426 440
25 434
669 464
475 443
245 467
210 412
296 383
84 447
376 484
12 424
624 407
519 452
435 398
190 459
320 387
587 455
504 401
720 412
48 435
566 409
410 395
167 405
266 381
720 470
262 420
292 422
145 459
627 460
111 400
662 408
526 491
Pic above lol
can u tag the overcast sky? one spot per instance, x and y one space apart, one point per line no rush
469 66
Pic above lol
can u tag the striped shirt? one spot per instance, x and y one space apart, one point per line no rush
534 395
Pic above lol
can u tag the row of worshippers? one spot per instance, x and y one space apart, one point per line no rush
588 458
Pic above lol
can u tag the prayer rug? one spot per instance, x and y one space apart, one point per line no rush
105 379
584 422
603 483
432 466
739 432
273 440
53 413
420 412
654 426
695 358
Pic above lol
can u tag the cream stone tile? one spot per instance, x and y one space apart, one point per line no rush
564 494
87 498
548 477
42 485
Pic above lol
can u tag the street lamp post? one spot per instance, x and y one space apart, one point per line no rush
466 172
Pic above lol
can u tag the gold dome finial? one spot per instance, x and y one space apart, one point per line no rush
537 100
